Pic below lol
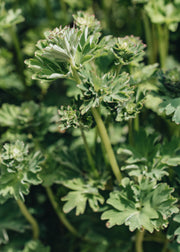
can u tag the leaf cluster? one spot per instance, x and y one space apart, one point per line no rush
18 170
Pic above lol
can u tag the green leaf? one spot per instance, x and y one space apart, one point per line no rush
170 82
171 107
64 49
19 170
128 50
70 116
140 206
163 12
9 79
109 89
29 117
81 194
83 19
10 18
146 157
10 220
34 246
170 152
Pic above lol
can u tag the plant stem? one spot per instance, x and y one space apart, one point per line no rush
165 246
29 218
88 152
136 123
59 213
48 10
148 35
163 37
130 132
103 134
20 61
155 42
107 144
139 241
63 6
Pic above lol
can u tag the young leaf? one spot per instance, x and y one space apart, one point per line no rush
128 50
83 19
71 117
109 89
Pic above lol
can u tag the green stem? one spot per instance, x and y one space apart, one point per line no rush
49 10
63 6
130 132
165 246
136 123
166 35
75 74
29 218
107 144
163 38
139 241
95 140
103 134
20 61
60 214
90 159
148 35
155 42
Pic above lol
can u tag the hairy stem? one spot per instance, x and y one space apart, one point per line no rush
139 241
29 218
59 213
88 152
107 144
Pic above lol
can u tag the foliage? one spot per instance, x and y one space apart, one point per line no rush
144 206
89 126
18 171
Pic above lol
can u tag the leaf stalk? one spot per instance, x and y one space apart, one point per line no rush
59 213
29 218
139 241
88 152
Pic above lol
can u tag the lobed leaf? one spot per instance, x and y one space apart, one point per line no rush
148 207
81 194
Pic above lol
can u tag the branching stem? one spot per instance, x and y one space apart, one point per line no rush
29 218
